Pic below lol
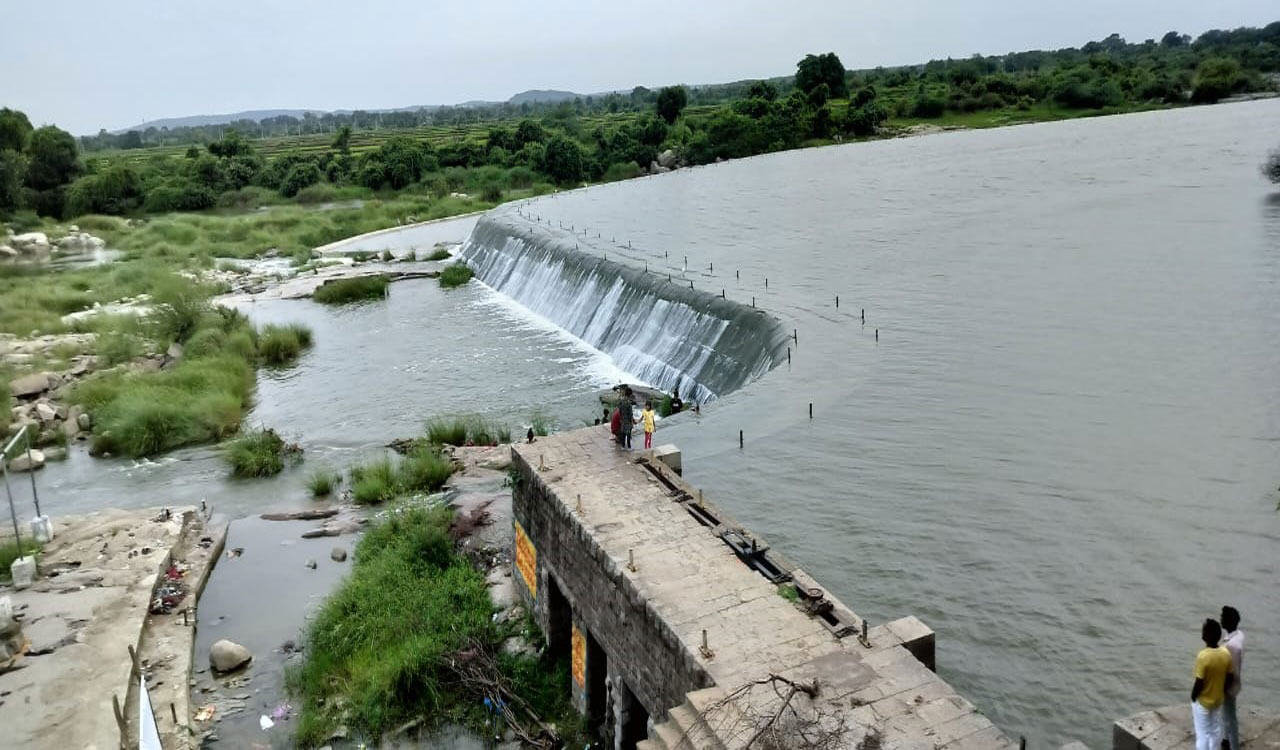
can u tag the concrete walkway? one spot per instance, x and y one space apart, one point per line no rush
1170 728
89 605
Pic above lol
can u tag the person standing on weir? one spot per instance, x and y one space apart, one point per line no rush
628 421
1233 642
647 417
1213 673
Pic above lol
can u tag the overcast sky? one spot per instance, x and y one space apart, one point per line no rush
89 65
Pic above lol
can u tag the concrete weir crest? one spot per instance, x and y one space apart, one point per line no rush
678 630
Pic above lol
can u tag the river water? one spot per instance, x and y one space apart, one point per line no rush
1063 450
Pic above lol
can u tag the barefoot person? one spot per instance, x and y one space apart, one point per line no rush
647 417
1213 678
1233 642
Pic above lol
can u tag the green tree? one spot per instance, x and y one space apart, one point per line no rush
818 96
118 190
403 160
529 131
342 141
671 101
15 130
1218 78
230 145
764 90
564 160
299 176
13 170
53 159
825 68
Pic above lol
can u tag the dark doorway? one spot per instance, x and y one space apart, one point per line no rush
597 683
635 720
559 621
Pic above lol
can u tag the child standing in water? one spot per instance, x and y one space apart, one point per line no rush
647 417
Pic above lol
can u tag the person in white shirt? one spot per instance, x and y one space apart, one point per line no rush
1233 641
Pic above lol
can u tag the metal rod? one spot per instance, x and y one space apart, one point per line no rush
17 537
788 355
837 302
740 438
810 410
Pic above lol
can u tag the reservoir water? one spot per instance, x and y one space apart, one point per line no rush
1063 450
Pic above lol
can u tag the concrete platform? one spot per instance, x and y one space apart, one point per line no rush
758 643
1170 728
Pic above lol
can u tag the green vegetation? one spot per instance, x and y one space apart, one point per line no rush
9 552
455 275
322 482
342 291
788 591
440 254
472 430
424 469
281 345
540 424
260 453
387 647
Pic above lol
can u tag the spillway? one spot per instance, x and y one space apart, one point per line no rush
653 327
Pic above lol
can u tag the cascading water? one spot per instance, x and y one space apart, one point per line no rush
662 333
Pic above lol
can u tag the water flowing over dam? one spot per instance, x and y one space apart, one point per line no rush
661 331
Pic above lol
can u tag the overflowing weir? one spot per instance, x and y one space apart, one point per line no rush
654 328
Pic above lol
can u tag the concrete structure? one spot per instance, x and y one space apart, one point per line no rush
1170 729
686 631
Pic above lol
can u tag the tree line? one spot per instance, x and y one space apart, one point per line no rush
42 169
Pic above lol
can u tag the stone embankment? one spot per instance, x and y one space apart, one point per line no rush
111 585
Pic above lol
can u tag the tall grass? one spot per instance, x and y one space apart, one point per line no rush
260 453
322 482
379 650
472 430
280 345
440 254
423 470
342 291
455 275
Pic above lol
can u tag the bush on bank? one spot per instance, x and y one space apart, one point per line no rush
424 469
260 453
342 291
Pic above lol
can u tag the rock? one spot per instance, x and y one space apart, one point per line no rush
340 733
517 646
174 351
311 564
338 554
30 385
59 411
73 228
30 239
55 454
225 656
85 422
27 461
46 413
667 159
7 252
300 515
317 533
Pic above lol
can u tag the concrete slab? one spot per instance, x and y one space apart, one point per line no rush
1170 728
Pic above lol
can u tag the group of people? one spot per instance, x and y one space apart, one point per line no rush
622 419
1218 680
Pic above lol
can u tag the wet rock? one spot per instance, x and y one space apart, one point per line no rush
338 554
31 242
7 252
317 533
667 159
30 385
85 422
27 461
300 515
311 564
225 655
55 454
45 413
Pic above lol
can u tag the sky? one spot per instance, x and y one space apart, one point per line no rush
87 65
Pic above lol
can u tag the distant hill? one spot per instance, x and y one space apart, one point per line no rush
537 96
195 121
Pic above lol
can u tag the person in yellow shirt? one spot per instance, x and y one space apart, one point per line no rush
648 417
1213 673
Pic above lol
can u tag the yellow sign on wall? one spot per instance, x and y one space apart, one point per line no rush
526 560
579 657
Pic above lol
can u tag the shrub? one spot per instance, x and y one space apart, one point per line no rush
342 291
281 344
540 424
115 347
447 431
492 192
374 483
424 470
258 454
322 482
440 254
455 275
298 177
621 171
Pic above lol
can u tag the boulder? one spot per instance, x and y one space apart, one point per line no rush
31 385
338 554
225 656
73 228
56 453
45 412
85 422
27 461
174 351
667 159
7 252
30 239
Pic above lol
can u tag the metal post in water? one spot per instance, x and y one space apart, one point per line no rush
739 438
737 274
864 316
766 282
690 283
26 432
810 410
753 301
837 302
877 334
788 355
795 335
711 268
722 294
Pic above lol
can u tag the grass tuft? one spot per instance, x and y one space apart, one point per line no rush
9 552
440 254
259 454
455 275
342 291
280 345
425 469
322 482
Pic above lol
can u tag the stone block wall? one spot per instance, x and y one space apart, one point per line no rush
607 615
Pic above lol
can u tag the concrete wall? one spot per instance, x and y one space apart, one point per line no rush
641 651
